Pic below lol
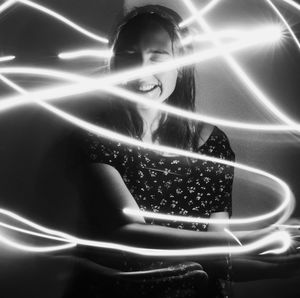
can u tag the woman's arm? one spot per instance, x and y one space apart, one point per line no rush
133 230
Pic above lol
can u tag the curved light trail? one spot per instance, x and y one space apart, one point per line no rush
39 97
133 97
58 17
81 88
283 207
278 237
85 53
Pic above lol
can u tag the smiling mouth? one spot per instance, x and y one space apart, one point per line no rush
146 88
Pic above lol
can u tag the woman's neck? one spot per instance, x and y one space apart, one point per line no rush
151 119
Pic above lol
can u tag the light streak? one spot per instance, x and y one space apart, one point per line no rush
131 74
283 207
24 231
62 19
7 58
86 53
35 249
241 74
293 3
285 22
134 97
202 12
233 236
284 237
228 33
274 30
71 241
6 5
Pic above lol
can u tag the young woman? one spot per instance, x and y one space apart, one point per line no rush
115 176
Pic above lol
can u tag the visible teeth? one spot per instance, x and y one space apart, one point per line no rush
146 87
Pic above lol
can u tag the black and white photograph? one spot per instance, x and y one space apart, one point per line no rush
149 148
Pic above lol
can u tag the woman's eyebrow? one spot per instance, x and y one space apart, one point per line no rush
162 52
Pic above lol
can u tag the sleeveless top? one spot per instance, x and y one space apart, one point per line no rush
171 185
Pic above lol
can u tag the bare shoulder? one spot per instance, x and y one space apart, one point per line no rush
104 169
205 132
110 185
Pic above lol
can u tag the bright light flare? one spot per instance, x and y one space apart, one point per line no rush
85 53
285 22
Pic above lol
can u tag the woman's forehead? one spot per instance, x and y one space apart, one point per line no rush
156 38
147 37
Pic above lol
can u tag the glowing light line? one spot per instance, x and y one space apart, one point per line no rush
202 12
6 5
287 201
125 139
285 22
36 249
278 236
284 237
7 58
241 74
228 33
233 236
86 53
131 74
293 3
24 231
63 19
134 97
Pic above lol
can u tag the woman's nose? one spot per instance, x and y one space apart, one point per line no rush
130 60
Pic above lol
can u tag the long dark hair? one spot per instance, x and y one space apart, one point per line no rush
172 130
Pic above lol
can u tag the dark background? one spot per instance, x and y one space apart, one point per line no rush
28 133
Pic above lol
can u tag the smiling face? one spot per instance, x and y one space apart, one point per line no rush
142 47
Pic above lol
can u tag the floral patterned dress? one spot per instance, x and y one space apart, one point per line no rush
172 185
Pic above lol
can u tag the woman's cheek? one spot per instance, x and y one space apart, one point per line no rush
169 80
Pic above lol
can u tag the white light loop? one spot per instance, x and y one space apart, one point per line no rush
134 97
62 19
283 207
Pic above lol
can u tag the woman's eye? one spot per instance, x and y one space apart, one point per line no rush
126 53
160 58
